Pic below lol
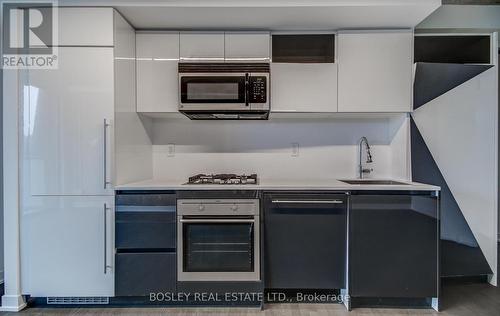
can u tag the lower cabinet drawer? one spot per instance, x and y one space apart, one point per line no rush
139 274
145 229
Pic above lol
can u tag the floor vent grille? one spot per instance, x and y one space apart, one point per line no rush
77 300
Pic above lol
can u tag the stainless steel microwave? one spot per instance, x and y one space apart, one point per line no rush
224 90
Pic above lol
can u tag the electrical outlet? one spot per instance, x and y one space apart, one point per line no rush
295 149
171 150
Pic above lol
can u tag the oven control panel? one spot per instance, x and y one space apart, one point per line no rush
258 89
217 207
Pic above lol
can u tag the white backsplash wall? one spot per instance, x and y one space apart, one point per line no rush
328 148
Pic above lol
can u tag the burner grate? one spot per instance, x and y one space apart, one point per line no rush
225 178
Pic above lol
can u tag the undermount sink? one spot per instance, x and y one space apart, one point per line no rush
374 182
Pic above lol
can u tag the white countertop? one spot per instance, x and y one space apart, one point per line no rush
318 184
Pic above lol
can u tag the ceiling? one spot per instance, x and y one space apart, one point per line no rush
268 14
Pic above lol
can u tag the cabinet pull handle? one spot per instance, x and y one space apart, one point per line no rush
106 266
201 58
206 220
106 182
308 202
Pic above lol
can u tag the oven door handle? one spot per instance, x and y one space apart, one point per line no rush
308 201
247 89
249 220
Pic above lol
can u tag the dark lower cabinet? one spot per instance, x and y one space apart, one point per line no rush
145 242
394 246
140 274
305 240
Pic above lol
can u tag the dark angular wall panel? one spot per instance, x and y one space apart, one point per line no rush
460 252
435 79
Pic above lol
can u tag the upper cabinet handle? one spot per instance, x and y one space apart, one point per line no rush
202 58
247 58
105 142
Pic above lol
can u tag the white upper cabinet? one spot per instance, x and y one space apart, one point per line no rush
228 46
158 55
250 46
157 80
304 87
68 124
202 46
158 45
67 246
375 71
303 73
85 26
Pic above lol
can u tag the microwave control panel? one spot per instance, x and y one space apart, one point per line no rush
257 91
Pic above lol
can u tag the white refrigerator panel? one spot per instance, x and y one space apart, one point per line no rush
68 124
67 246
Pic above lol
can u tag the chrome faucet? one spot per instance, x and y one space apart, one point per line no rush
368 157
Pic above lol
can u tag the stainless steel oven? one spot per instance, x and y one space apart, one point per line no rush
218 240
224 90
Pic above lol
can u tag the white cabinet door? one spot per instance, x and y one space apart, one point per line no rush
68 148
375 71
160 45
67 246
251 46
202 46
157 79
303 87
85 26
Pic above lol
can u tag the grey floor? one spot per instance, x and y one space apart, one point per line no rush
468 300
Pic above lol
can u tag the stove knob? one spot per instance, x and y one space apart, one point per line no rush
201 208
234 208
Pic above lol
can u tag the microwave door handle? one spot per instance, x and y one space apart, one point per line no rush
247 89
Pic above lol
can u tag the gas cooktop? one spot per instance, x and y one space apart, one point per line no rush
223 179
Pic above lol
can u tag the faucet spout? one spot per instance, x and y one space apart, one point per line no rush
369 158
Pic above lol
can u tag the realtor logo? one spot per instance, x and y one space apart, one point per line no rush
29 36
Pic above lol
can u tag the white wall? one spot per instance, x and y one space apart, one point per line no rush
327 147
482 90
1 175
463 17
460 129
12 299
